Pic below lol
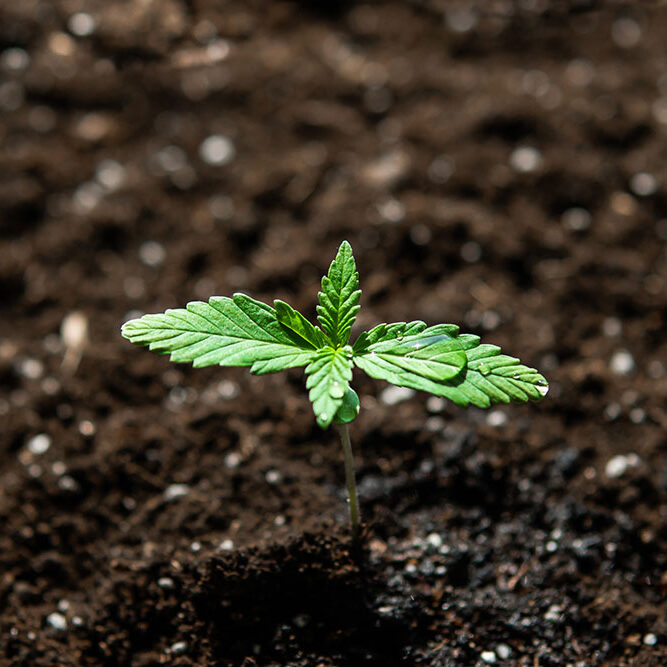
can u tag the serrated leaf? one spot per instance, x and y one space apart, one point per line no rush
500 378
383 332
226 332
339 298
487 377
420 360
298 325
329 375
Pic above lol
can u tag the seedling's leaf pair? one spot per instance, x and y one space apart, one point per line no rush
244 332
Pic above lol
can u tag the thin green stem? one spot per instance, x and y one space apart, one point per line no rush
349 478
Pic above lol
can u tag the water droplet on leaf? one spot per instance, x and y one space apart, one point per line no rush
336 390
543 389
484 369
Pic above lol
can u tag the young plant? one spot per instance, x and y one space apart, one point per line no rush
240 331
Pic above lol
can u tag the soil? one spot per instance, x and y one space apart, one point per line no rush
500 165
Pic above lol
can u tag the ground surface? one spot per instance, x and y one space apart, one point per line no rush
504 168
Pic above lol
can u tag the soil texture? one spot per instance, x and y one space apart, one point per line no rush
502 165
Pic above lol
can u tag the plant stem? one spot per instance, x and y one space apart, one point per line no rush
349 479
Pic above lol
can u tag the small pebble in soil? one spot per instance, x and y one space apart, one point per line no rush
152 253
226 545
637 415
33 369
643 184
612 411
178 648
577 219
273 477
496 418
618 465
221 207
174 491
195 547
623 203
553 613
622 363
378 99
15 59
217 150
129 504
434 424
74 331
420 234
525 159
435 404
52 343
57 621
503 651
396 395
301 620
489 657
227 389
81 24
461 19
387 170
50 386
58 468
39 444
35 470
471 252
232 460
650 639
441 169
110 174
490 320
87 196
68 483
166 583
626 32
391 210
434 540
87 428
612 327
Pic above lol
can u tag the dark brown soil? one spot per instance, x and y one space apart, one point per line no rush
500 165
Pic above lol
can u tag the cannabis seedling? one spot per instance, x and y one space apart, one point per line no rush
240 331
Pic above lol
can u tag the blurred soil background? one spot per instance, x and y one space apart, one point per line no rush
497 164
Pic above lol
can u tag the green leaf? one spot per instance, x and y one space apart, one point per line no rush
329 375
384 332
420 360
339 298
486 376
227 332
349 409
493 377
299 325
